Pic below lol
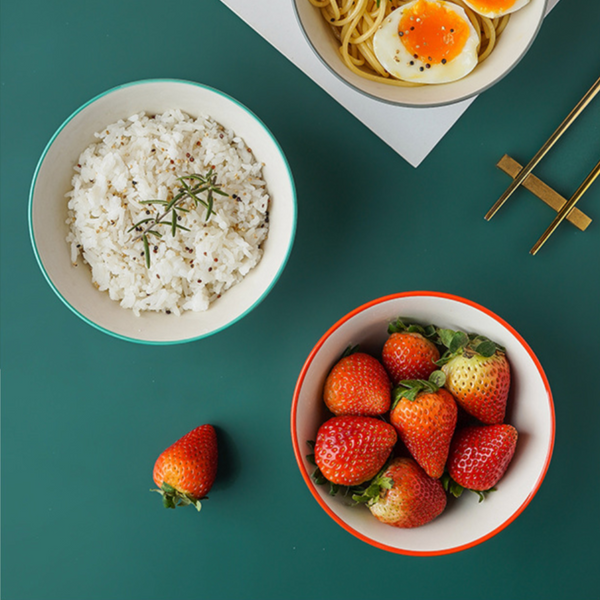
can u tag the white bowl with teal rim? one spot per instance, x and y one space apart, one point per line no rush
48 211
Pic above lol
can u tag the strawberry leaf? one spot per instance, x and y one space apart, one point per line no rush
456 490
334 488
445 336
349 350
451 486
410 393
411 388
172 497
458 342
438 378
318 477
397 326
372 492
401 326
486 348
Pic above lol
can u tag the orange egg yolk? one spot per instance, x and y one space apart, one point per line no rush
492 6
432 32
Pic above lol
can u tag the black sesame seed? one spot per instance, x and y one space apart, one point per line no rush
412 28
412 62
421 69
428 66
401 33
443 61
415 56
452 31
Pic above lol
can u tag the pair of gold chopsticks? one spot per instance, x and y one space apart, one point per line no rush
568 207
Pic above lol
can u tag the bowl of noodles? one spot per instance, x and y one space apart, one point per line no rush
420 53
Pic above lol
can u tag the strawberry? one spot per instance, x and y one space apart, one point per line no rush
186 471
407 353
358 385
479 457
352 449
424 415
477 374
409 498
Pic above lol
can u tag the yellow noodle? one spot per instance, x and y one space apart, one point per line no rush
490 32
354 22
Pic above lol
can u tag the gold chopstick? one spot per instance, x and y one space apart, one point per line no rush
567 208
544 192
526 170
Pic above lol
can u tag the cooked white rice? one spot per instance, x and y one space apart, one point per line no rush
140 159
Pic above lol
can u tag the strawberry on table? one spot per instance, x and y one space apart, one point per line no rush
424 415
477 374
408 497
407 353
350 450
186 471
358 385
479 457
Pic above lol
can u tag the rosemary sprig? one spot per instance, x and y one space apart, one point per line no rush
199 184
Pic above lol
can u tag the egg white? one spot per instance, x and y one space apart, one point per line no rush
493 14
399 62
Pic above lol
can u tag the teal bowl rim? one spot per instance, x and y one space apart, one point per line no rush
156 342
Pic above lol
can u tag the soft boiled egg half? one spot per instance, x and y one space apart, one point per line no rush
427 42
495 8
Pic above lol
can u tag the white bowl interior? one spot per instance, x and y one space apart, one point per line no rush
465 521
511 47
49 211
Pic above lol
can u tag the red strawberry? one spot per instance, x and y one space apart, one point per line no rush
351 450
412 498
478 376
408 354
358 385
479 456
425 418
186 471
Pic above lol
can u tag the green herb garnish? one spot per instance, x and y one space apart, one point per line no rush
198 184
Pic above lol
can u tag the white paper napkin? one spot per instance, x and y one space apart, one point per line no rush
416 132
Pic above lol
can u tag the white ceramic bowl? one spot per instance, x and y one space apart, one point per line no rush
510 49
465 522
48 211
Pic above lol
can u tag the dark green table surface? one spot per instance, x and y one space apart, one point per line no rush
84 415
